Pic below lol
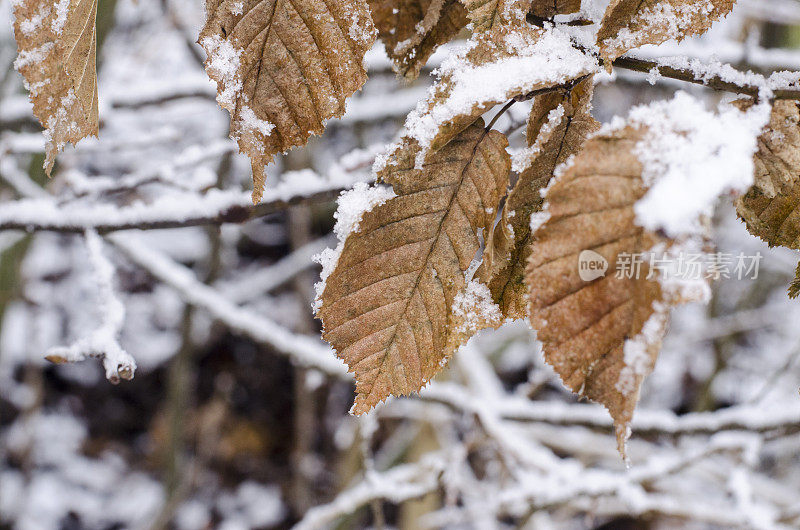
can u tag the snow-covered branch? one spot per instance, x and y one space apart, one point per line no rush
103 341
303 350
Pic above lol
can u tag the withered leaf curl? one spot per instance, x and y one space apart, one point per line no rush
770 207
284 67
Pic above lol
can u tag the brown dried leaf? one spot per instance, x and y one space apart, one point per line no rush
628 24
568 121
550 8
473 83
411 30
394 306
770 207
485 15
601 335
57 57
284 67
794 287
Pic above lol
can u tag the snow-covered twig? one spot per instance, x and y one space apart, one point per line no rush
645 423
212 208
303 350
103 341
399 484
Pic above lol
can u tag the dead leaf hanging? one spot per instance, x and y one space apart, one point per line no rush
284 67
57 44
395 307
628 24
411 30
597 309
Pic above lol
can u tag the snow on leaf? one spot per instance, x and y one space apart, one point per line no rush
692 156
505 62
485 15
628 24
57 48
388 304
411 30
557 127
602 332
283 68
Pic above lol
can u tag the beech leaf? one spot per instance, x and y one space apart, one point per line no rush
600 332
284 67
398 303
770 206
411 30
629 24
57 44
557 127
550 8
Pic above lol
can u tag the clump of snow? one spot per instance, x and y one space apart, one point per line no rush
352 205
691 156
538 219
250 122
223 64
524 62
34 56
103 341
60 20
31 25
237 8
638 351
474 308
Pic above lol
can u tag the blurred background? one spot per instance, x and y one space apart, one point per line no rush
237 417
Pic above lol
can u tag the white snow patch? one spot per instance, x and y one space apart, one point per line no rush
474 308
224 62
31 25
691 156
352 205
664 17
34 56
522 159
237 8
62 10
251 122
